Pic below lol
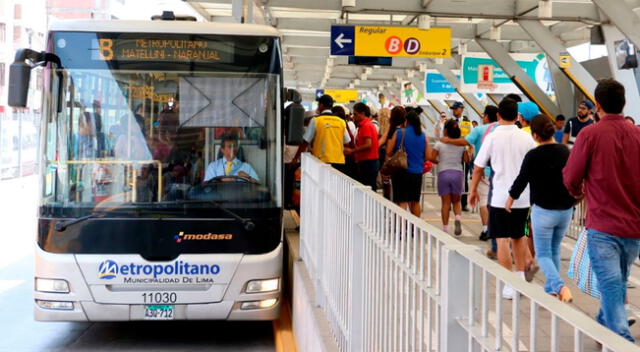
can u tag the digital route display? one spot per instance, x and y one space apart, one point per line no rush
145 49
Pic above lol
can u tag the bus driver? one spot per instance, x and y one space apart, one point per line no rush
228 164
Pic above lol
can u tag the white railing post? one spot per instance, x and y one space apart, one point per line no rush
454 295
319 230
356 331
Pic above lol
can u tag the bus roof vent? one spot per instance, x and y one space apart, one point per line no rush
170 16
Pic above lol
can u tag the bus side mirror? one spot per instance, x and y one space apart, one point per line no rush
296 124
19 76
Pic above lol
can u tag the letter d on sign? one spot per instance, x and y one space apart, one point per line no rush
412 46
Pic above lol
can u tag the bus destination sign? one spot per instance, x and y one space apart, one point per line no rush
145 49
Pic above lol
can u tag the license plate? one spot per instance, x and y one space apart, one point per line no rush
158 312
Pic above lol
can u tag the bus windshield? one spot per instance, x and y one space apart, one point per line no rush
158 139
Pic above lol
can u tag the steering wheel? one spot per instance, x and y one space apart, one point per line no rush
233 177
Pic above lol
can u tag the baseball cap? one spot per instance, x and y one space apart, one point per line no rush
528 110
587 103
456 105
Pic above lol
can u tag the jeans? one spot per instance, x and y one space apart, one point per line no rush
611 259
549 227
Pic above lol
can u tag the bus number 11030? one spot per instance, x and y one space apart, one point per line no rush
160 297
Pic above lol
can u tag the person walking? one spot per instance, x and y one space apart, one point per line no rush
475 139
326 134
599 166
552 204
396 121
504 149
407 184
573 127
366 147
450 174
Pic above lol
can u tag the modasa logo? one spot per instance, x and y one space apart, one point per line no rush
202 236
108 270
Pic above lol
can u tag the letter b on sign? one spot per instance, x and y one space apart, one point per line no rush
412 46
393 45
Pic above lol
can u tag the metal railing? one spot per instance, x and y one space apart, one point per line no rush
388 281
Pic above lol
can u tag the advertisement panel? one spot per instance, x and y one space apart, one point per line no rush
535 65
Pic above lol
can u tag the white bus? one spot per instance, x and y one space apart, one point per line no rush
138 219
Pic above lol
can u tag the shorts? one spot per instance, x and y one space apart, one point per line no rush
450 182
503 224
407 187
483 191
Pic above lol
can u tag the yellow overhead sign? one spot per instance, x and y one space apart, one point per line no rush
402 41
342 95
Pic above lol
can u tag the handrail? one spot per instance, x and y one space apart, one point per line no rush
387 280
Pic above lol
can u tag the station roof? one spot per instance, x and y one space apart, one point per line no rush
305 26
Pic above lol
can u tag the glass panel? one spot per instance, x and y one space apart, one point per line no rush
157 139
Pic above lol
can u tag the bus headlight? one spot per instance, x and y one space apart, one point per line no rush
56 305
265 303
52 285
256 286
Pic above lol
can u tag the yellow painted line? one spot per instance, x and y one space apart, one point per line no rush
464 97
579 85
532 97
283 331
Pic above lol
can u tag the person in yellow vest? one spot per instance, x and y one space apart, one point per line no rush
229 165
326 134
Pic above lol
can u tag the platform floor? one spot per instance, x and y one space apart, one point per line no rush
471 228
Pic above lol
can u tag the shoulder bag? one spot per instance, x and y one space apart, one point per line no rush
398 161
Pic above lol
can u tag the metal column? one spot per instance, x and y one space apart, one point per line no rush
475 105
626 77
622 16
502 57
562 85
554 48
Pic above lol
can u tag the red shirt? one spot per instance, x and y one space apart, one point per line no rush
367 130
606 160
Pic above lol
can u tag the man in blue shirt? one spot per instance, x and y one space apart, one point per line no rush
475 139
228 164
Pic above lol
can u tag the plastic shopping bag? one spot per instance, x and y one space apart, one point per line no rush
580 270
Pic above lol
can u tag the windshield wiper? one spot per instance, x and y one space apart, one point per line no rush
62 225
246 223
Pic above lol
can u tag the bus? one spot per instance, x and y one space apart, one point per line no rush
161 170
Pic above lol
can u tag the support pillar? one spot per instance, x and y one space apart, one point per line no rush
562 85
471 101
502 57
623 17
554 47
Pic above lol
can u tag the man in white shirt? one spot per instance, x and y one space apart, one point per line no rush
503 150
228 164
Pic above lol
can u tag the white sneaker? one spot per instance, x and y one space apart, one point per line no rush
507 292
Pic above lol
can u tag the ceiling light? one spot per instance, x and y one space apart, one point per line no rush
368 70
424 21
545 9
348 3
494 33
462 48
